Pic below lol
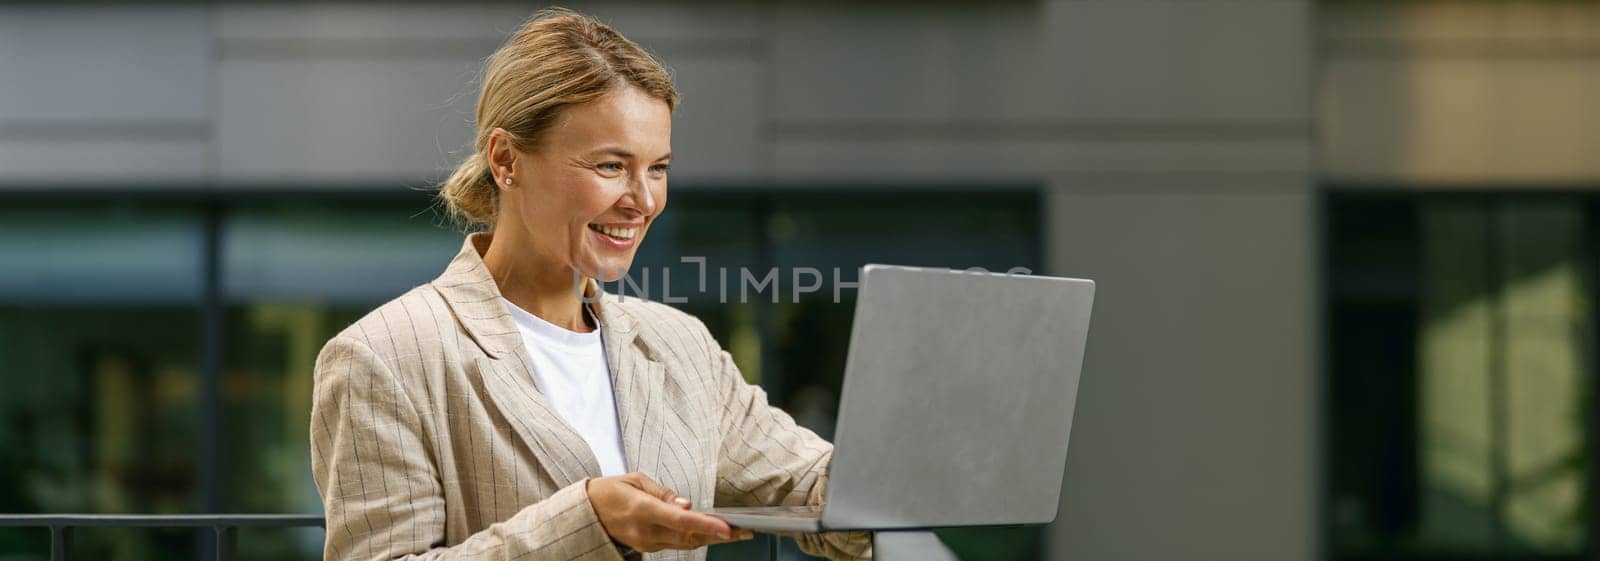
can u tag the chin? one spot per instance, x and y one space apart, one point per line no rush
610 272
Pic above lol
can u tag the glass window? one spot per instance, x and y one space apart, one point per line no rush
294 275
1461 367
93 254
99 320
341 252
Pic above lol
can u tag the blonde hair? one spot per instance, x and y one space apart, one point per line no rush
556 59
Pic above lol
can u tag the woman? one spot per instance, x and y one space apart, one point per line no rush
497 412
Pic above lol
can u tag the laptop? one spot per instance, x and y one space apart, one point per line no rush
958 396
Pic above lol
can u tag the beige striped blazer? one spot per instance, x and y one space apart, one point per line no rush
430 439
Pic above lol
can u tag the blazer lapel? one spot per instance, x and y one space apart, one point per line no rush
638 380
507 370
559 447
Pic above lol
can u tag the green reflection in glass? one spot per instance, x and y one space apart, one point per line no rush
1461 348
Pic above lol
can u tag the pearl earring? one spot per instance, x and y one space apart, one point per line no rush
508 181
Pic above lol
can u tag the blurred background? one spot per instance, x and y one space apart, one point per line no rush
1346 251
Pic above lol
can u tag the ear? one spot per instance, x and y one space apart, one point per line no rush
502 158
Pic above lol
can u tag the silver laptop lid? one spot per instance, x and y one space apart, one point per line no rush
958 396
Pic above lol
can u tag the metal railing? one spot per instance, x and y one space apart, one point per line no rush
226 526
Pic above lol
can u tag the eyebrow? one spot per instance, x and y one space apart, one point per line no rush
626 154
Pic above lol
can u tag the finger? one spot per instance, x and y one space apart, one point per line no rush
683 502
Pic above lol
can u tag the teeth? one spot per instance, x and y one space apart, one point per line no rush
622 233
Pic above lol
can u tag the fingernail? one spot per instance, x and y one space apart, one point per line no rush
681 501
722 535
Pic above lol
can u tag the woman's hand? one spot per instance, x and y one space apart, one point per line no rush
642 514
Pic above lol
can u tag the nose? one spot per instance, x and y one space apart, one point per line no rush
639 198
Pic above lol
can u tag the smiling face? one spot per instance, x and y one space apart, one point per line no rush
585 198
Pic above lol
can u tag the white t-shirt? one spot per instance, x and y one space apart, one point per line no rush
570 368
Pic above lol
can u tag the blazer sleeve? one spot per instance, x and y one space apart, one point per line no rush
374 468
768 459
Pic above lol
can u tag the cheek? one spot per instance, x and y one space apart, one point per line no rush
602 194
575 199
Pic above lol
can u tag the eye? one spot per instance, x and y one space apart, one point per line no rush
611 166
660 168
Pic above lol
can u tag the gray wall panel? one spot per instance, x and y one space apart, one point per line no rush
1107 62
642 22
1195 430
1215 62
114 163
876 63
118 64
344 119
717 131
366 21
950 154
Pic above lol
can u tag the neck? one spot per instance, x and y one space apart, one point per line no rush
542 289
